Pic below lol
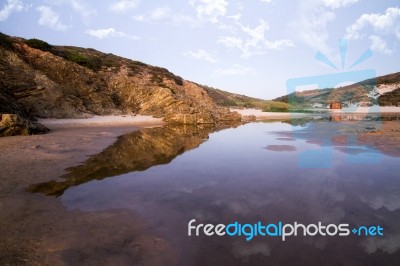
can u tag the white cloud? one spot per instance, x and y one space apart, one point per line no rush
82 8
124 5
231 42
201 55
210 9
380 23
310 27
49 18
234 70
79 6
267 1
235 17
255 41
278 44
166 15
339 3
11 6
379 45
314 16
157 14
109 32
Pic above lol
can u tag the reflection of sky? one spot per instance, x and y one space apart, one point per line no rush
233 177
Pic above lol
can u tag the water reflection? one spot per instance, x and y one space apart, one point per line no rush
231 177
281 147
136 151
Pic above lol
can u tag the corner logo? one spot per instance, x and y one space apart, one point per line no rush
322 158
281 230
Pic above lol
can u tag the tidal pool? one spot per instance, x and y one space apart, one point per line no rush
305 172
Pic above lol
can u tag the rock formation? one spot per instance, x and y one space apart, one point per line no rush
70 82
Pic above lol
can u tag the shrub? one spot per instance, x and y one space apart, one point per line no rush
93 63
271 106
38 44
5 41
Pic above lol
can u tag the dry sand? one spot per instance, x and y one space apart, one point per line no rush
110 120
260 115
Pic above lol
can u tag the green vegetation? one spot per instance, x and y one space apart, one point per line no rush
39 44
272 106
390 99
165 72
223 98
159 81
5 41
90 62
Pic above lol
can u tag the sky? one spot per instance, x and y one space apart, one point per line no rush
248 47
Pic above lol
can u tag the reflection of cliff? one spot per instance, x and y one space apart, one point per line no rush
379 132
135 151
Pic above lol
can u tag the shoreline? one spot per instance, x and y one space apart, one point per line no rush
260 115
108 120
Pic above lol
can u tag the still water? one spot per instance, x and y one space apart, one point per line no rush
306 172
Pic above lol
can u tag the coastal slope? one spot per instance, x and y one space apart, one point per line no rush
39 80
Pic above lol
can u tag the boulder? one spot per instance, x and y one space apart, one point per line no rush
13 124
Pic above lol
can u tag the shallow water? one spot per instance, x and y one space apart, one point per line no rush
267 172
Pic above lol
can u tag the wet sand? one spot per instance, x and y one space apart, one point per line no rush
38 230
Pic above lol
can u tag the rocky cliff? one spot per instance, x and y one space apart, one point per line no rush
41 80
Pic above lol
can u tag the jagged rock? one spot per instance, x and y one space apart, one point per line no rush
12 125
73 82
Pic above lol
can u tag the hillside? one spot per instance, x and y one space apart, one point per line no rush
45 81
224 98
383 91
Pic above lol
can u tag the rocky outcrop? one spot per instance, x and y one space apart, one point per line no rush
72 82
15 120
13 124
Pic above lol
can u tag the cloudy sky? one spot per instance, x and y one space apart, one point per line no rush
248 47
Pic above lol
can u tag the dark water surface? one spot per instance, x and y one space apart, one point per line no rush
267 172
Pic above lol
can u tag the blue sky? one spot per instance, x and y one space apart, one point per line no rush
247 47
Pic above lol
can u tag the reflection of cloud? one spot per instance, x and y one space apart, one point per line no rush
389 244
243 250
390 202
352 151
281 148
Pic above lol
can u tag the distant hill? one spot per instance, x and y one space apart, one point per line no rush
38 79
383 91
228 99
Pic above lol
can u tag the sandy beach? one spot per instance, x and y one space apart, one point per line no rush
109 120
260 115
